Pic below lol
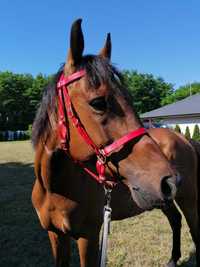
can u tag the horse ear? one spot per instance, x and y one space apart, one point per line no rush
76 48
106 50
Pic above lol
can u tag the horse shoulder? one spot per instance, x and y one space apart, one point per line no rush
39 192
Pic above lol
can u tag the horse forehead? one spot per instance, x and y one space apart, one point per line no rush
82 90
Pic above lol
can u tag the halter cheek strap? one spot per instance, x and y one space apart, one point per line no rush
65 107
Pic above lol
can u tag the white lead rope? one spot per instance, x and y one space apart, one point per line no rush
106 228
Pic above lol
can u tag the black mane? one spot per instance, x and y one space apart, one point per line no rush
99 71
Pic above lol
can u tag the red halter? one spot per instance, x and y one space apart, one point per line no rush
64 105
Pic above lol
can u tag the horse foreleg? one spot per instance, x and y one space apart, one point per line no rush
88 246
60 244
174 218
190 211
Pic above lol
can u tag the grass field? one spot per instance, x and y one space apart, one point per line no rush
140 242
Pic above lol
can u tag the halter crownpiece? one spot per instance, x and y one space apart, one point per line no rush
65 107
66 80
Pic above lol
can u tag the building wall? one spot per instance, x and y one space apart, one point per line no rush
183 123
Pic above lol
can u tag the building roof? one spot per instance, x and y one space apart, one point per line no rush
188 106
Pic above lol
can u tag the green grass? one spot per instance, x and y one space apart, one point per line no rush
141 241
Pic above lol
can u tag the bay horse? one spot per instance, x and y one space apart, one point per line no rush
184 156
87 136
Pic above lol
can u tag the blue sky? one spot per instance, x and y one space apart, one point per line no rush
157 36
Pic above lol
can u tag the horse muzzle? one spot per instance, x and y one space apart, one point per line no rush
147 200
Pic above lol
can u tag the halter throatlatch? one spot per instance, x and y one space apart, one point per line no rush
65 107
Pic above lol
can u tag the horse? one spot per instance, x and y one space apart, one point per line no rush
184 156
87 138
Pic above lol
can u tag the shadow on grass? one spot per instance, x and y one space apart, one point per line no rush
23 242
190 262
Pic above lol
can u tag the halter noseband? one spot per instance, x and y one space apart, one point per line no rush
65 107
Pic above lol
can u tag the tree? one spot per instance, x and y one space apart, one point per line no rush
177 128
13 101
187 133
34 95
147 91
19 98
181 93
196 133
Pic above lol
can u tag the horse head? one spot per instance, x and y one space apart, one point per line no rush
101 104
104 107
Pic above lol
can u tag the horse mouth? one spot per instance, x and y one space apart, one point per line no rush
146 201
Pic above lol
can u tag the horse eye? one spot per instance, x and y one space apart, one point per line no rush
99 103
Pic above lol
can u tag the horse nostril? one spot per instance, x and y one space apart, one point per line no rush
168 188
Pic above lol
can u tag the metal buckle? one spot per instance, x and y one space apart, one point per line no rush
101 157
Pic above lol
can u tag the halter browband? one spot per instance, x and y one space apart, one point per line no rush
65 107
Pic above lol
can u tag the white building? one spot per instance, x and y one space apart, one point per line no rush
185 113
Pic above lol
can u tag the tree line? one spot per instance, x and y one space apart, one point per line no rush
195 135
20 95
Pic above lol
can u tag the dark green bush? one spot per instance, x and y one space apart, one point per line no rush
187 133
28 133
177 128
196 133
